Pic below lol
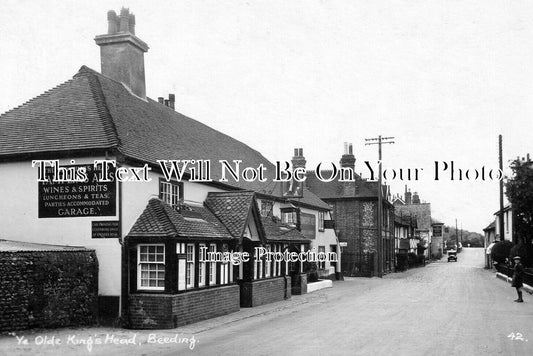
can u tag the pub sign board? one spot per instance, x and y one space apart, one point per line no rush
308 225
77 199
108 229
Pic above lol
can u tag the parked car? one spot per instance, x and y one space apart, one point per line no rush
452 255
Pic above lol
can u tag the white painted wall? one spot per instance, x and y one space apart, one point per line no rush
19 216
323 238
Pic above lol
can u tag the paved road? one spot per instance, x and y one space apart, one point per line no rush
441 309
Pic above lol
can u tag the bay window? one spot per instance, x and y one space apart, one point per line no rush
151 267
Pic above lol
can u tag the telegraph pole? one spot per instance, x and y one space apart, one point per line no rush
456 236
379 141
500 217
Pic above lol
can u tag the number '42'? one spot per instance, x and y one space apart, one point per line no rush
516 336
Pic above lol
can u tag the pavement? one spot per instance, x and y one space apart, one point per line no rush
441 309
504 277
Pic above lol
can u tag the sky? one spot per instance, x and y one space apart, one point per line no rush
444 78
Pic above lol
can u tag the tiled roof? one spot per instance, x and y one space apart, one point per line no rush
436 222
307 198
232 209
17 246
491 226
275 231
92 111
336 189
67 117
404 219
160 220
422 213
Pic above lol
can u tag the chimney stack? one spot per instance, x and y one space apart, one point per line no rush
170 102
407 196
348 159
122 53
416 198
298 160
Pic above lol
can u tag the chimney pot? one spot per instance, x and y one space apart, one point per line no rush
124 20
131 24
171 100
122 53
111 22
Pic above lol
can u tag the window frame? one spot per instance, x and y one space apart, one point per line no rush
212 270
140 263
321 264
190 266
162 193
321 217
202 268
268 265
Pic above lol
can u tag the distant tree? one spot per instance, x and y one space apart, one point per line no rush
519 191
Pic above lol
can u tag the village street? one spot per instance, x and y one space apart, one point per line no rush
441 309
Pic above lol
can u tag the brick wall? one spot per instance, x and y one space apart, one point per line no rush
265 291
356 222
47 289
347 215
167 311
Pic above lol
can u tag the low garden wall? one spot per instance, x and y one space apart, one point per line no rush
47 289
168 311
508 271
264 291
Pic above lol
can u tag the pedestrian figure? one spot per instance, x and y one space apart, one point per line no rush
518 275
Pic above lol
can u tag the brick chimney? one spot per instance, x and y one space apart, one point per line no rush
348 159
407 196
416 198
298 160
122 53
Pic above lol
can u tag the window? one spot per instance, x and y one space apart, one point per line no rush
322 265
151 267
201 268
212 267
277 263
224 267
190 266
170 192
507 221
267 263
320 221
289 217
258 270
266 207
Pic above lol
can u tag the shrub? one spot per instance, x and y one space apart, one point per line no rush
411 259
420 259
311 268
401 261
501 250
